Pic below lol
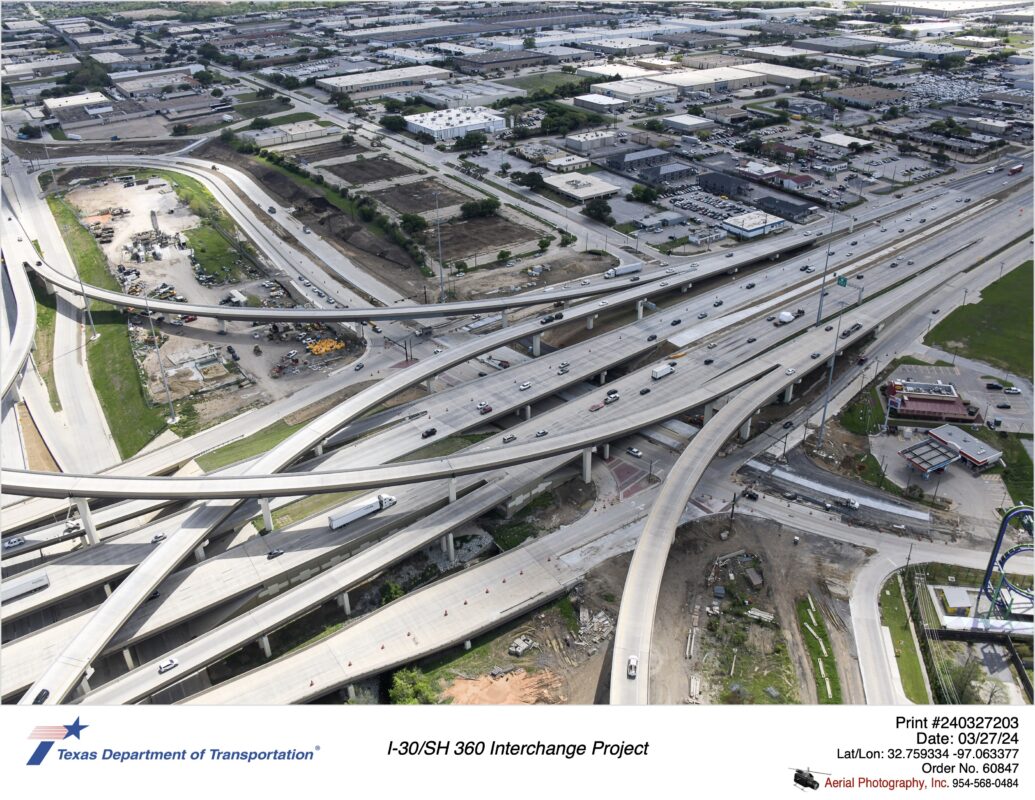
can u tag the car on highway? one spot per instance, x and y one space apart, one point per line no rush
427 433
16 541
510 437
901 230
652 337
751 340
663 283
634 278
41 698
168 664
526 385
158 537
272 554
814 356
540 434
702 315
481 404
730 255
717 303
546 320
631 666
788 425
564 364
750 494
611 398
1002 405
584 283
562 370
708 361
485 410
634 452
358 367
770 318
153 596
910 262
596 406
612 392
603 302
436 351
676 322
935 310
749 286
789 371
859 277
645 390
829 328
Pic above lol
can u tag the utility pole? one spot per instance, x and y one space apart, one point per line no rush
86 304
441 263
733 508
830 379
826 265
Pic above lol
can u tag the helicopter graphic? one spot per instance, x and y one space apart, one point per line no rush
805 778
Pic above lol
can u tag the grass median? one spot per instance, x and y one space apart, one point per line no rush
818 654
46 321
894 616
113 367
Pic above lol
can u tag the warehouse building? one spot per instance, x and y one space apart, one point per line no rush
836 44
567 163
492 60
634 90
560 54
38 68
601 103
722 184
784 76
581 187
289 132
383 81
475 93
452 123
753 224
638 159
865 96
676 172
720 79
52 104
788 209
623 46
620 72
589 142
927 51
687 123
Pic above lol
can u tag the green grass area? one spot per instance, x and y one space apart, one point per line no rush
445 446
556 196
307 507
298 116
893 614
510 533
244 111
816 653
46 319
626 227
113 367
542 80
996 379
998 330
864 414
214 253
939 574
253 445
672 244
1017 472
59 134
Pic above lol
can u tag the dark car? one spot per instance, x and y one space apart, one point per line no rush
486 410
708 361
729 255
829 328
41 698
750 494
272 554
153 596
995 387
752 340
788 425
644 391
1002 405
652 337
428 433
676 322
558 315
749 286
358 366
859 277
716 304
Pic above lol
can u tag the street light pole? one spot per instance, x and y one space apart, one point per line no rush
826 265
830 379
441 263
86 304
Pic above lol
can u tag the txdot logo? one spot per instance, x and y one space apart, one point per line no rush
47 735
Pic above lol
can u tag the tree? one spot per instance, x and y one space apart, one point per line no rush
544 243
227 135
599 209
412 687
390 591
217 92
781 102
502 255
205 77
505 167
533 180
471 141
265 93
393 122
180 129
654 125
259 123
30 131
209 51
291 82
413 223
348 139
642 194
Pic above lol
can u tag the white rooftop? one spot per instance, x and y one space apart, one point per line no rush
842 140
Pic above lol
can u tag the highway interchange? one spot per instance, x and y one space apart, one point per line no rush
474 479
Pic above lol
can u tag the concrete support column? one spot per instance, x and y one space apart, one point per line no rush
639 309
684 288
745 430
528 412
537 345
587 464
127 656
84 685
343 601
222 326
427 385
264 644
442 543
708 411
452 490
14 394
199 553
351 691
451 547
107 590
87 519
607 450
788 393
267 515
503 318
589 322
467 644
602 377
319 449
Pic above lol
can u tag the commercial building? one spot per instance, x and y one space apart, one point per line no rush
865 96
975 453
807 107
601 103
929 401
687 123
980 42
636 160
474 93
722 184
152 82
287 133
567 163
589 142
788 209
929 456
560 54
720 79
383 81
582 187
776 52
753 224
996 127
53 104
836 44
659 64
662 174
844 142
622 46
784 76
662 219
727 115
926 51
37 68
409 55
492 60
634 90
452 123
941 8
618 72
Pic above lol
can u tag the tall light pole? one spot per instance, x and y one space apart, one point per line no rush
830 378
161 367
826 265
441 263
86 304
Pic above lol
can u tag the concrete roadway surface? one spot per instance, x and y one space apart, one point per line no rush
94 448
215 512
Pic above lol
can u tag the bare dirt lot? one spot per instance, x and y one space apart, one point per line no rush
518 687
414 198
772 664
463 238
323 152
369 170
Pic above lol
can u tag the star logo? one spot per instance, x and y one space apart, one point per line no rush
48 734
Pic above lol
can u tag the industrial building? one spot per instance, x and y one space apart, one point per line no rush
668 173
720 79
836 44
567 163
52 104
753 224
452 123
638 159
383 81
560 54
634 90
474 93
687 123
581 187
784 76
618 72
623 46
589 142
289 132
926 50
721 184
865 96
601 103
492 60
843 141
788 209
